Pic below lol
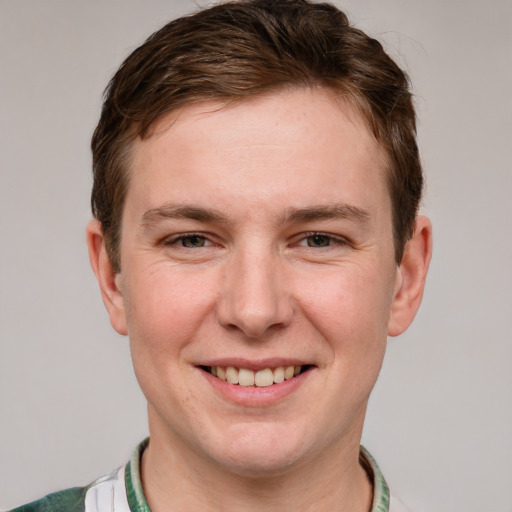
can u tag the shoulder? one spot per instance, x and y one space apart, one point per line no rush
68 500
118 491
106 493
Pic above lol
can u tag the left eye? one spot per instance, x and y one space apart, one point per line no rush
319 240
190 241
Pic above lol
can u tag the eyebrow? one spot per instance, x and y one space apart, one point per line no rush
291 215
172 211
326 212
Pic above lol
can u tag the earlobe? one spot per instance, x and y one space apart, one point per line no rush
411 276
108 279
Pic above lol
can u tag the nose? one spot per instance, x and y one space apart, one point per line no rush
254 298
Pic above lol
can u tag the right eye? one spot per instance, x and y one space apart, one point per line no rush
189 241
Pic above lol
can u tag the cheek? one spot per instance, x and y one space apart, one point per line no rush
350 307
165 308
165 313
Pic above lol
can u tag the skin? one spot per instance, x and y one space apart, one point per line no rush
259 235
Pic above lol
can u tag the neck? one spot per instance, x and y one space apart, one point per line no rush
176 478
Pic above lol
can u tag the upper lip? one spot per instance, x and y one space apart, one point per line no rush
255 364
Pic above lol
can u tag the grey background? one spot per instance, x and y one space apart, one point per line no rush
440 419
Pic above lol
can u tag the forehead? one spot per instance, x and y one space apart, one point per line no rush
278 150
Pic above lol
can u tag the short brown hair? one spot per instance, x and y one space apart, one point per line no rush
240 49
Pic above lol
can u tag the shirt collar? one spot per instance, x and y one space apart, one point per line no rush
138 503
380 487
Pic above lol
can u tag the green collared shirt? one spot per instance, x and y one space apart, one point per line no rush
121 491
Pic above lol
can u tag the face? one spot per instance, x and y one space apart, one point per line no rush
257 242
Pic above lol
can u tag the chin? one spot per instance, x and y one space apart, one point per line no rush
260 450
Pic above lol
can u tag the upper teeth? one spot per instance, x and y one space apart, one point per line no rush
261 378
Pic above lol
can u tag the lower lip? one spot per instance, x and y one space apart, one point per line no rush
255 396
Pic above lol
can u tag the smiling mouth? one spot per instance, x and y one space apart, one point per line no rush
261 378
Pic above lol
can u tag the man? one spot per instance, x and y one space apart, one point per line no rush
256 187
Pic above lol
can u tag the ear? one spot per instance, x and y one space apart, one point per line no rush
411 275
107 278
